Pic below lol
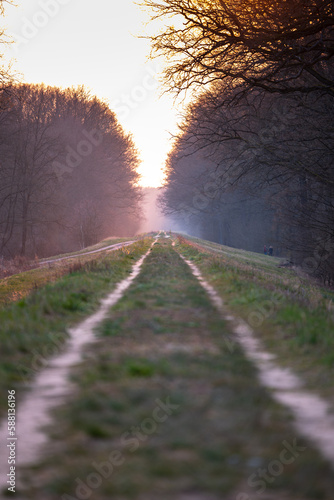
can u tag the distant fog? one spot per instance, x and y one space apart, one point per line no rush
153 217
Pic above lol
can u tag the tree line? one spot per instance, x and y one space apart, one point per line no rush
68 172
253 161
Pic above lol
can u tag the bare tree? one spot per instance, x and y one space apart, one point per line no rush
281 46
29 151
277 150
66 167
5 75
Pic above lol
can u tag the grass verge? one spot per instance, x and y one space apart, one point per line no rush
35 327
20 285
293 316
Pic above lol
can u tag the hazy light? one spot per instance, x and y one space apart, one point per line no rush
74 42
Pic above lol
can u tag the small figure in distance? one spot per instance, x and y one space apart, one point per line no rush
265 249
271 251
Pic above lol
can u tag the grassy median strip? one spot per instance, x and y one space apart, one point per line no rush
293 316
165 408
34 327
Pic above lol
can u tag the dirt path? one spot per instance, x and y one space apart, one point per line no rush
168 406
51 386
104 249
312 413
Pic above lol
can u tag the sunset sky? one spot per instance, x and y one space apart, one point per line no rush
74 42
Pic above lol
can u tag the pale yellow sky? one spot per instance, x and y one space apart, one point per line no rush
74 42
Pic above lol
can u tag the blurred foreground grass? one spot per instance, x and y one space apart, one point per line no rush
166 408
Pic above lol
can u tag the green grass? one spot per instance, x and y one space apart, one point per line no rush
35 327
20 285
239 255
293 316
165 342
